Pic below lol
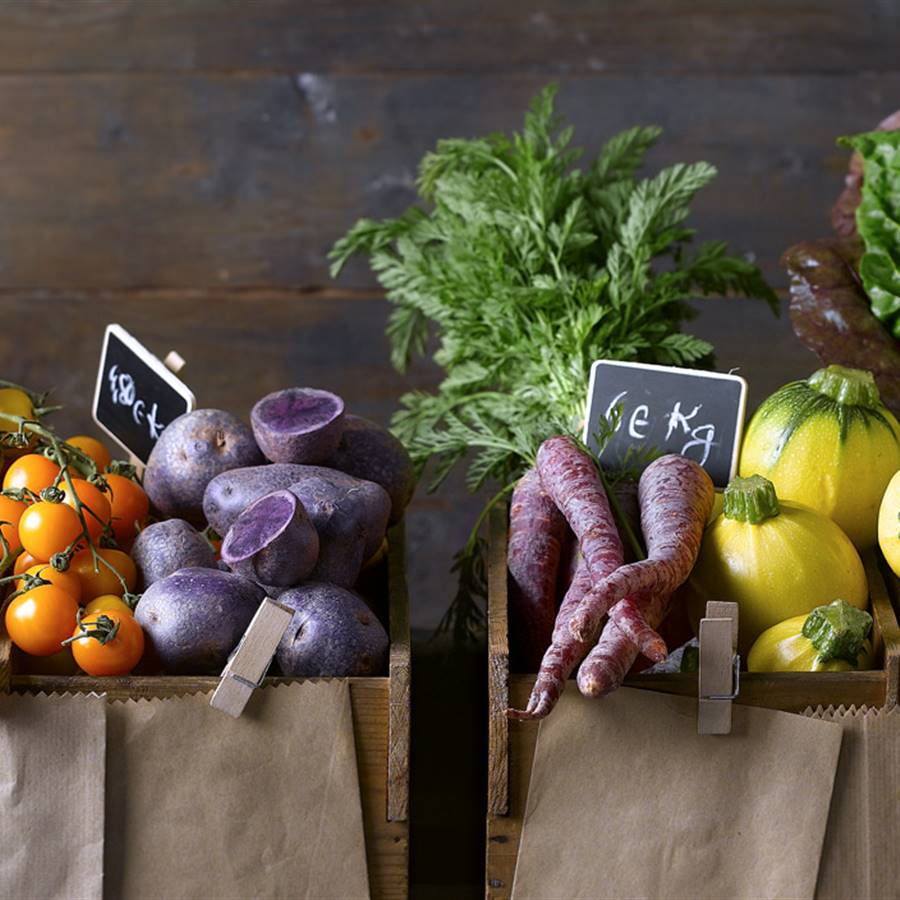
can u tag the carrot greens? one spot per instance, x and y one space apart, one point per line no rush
523 269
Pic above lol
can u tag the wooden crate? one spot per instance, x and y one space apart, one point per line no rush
381 724
511 744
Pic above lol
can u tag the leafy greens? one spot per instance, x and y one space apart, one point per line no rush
878 222
526 270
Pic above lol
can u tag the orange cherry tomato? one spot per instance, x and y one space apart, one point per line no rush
109 642
93 448
130 505
48 528
24 561
108 601
97 509
31 471
68 581
11 512
39 620
103 581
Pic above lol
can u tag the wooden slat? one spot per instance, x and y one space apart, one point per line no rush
400 671
576 37
498 667
210 180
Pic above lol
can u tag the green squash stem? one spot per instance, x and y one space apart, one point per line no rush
850 387
750 500
838 631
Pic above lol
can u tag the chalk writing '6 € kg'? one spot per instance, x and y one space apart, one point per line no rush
700 436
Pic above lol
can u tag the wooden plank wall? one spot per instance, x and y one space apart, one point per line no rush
182 166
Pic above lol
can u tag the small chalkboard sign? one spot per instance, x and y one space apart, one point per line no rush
672 410
136 395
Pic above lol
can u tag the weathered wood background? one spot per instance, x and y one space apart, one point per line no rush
182 167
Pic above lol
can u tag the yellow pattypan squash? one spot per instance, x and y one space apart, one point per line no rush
829 443
889 524
833 638
776 559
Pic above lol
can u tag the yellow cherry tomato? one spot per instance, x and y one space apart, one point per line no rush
39 620
48 528
95 583
14 402
32 471
108 601
95 504
68 581
93 448
10 513
108 643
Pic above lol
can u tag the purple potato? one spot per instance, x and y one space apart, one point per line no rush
190 452
369 451
165 547
298 425
333 634
272 541
349 514
194 618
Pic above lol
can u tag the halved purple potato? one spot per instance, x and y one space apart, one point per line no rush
165 547
298 425
369 451
349 514
194 618
190 452
333 634
272 541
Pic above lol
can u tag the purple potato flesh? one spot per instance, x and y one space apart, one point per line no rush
272 541
298 425
195 617
190 452
333 634
165 547
371 452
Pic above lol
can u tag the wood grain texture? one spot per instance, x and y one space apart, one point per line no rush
202 180
498 665
579 36
789 691
400 665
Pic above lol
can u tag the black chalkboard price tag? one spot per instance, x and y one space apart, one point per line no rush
697 414
136 395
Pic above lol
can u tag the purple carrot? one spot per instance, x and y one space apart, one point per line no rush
564 653
676 497
611 660
537 530
571 478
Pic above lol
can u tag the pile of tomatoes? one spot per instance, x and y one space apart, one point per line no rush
71 602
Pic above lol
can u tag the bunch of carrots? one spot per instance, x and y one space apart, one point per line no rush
610 611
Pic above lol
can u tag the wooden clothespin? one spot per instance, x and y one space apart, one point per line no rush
720 667
248 664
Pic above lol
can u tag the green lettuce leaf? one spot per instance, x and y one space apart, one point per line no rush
878 222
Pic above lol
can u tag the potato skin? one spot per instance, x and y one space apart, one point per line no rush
272 541
165 547
333 634
194 618
190 452
371 452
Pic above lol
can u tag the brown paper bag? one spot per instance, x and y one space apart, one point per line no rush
203 805
860 857
51 796
626 800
